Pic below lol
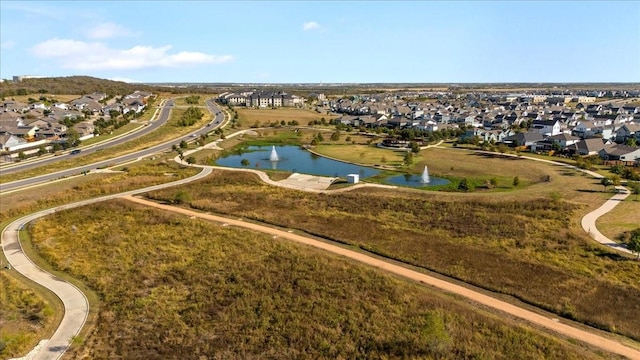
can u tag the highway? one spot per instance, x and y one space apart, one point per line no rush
164 116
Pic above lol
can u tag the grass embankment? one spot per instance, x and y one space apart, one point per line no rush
170 131
26 317
623 218
525 245
188 288
136 175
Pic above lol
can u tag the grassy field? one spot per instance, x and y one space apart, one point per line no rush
526 244
624 217
18 329
263 117
170 131
362 154
26 317
188 288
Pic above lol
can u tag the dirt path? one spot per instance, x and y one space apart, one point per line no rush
551 324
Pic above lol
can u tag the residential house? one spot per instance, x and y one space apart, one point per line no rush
586 147
623 154
85 129
8 141
547 127
627 131
526 139
564 140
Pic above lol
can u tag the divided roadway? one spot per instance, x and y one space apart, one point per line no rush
218 120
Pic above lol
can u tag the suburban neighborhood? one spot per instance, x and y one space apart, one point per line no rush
43 123
571 124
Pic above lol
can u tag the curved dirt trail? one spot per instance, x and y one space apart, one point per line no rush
551 324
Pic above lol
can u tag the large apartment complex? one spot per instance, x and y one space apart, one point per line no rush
261 99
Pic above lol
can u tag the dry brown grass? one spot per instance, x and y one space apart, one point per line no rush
263 117
26 316
526 244
186 288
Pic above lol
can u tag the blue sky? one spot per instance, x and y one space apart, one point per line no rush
324 41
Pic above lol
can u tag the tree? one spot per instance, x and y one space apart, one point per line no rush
415 148
634 242
615 180
605 182
516 181
408 158
73 138
244 162
616 169
191 160
631 142
183 144
635 188
335 136
464 185
22 155
502 148
493 182
41 150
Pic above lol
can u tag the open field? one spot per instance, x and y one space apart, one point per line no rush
170 131
189 288
362 154
526 244
624 217
20 330
263 117
26 317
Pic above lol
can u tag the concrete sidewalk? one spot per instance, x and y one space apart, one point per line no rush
589 221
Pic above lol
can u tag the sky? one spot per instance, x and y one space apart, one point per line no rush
323 41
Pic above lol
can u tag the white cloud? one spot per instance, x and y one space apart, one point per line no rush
108 30
81 55
8 44
311 25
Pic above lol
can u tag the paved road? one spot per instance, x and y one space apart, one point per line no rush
589 220
150 127
218 120
76 306
552 324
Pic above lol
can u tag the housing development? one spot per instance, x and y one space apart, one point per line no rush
320 180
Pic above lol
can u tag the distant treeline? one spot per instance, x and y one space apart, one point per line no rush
82 85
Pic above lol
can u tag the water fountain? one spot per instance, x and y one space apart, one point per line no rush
425 176
274 155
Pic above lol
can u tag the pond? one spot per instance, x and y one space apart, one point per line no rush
415 180
294 159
